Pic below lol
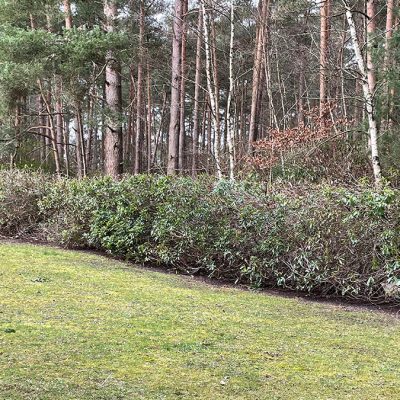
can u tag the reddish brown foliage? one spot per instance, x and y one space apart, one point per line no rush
269 151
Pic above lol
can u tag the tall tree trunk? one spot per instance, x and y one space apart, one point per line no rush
51 128
129 147
42 132
113 152
173 138
211 87
59 119
160 128
209 119
139 95
80 143
66 145
68 14
197 83
342 70
215 77
388 55
257 70
149 119
371 31
91 132
182 133
230 128
17 133
282 90
323 63
78 129
41 118
242 125
268 80
300 101
392 89
367 81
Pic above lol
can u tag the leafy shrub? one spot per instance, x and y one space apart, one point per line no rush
319 239
20 192
68 208
123 220
345 242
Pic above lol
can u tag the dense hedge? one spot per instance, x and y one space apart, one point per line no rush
320 239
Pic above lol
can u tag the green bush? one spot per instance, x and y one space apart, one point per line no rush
345 241
20 192
318 239
68 207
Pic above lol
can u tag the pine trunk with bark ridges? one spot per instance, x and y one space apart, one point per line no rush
257 67
113 151
182 133
197 83
173 139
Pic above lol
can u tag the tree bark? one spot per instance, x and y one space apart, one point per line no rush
211 87
51 128
68 14
149 119
59 119
197 83
215 79
139 96
113 152
388 53
371 31
182 133
80 143
173 139
230 128
323 63
257 70
367 81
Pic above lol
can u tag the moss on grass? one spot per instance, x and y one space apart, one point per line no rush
80 326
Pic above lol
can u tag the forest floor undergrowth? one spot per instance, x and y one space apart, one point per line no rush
76 325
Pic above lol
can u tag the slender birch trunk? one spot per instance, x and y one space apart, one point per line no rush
367 81
78 126
230 127
210 88
215 79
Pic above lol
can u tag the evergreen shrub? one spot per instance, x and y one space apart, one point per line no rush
325 240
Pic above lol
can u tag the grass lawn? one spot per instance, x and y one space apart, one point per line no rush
79 326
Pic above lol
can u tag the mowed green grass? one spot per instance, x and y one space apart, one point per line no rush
80 326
